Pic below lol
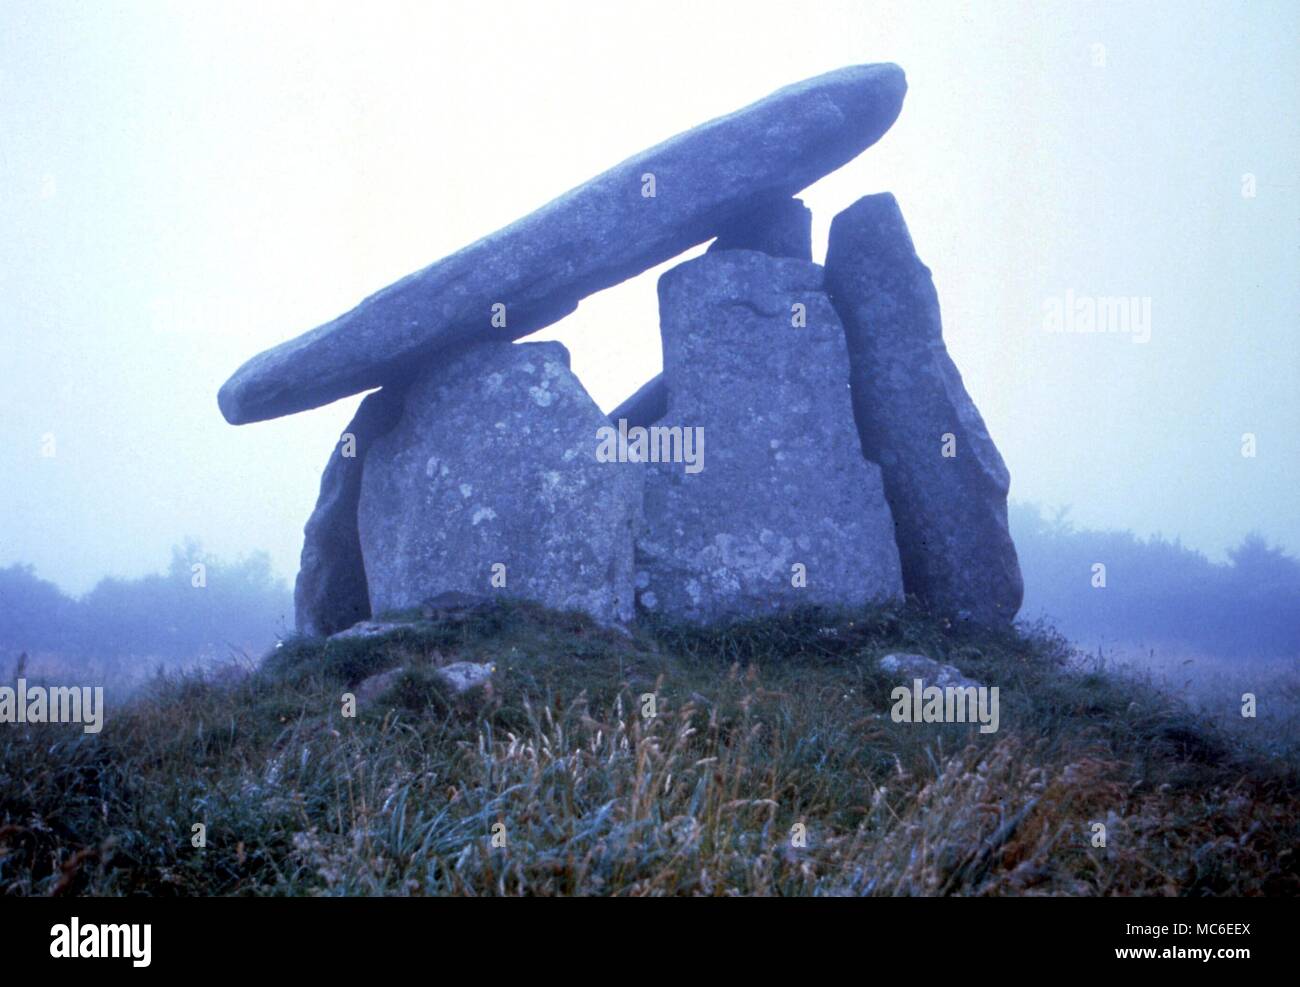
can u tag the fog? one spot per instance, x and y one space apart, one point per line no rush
185 186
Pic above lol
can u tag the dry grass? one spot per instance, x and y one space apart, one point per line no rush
763 731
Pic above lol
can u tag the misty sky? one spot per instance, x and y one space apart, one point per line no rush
184 185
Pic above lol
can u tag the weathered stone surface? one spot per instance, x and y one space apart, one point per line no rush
779 229
494 462
646 406
590 238
365 629
951 512
784 481
330 592
905 668
460 679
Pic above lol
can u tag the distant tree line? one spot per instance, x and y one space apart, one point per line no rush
1151 590
1156 591
201 608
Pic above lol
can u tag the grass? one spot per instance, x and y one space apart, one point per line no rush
1215 686
764 730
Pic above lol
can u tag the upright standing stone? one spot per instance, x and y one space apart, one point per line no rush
779 229
490 483
637 214
330 593
646 406
946 482
785 510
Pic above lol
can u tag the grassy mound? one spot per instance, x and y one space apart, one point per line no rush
772 766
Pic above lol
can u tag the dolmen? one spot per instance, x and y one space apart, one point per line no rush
809 440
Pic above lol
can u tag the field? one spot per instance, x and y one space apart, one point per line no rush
771 766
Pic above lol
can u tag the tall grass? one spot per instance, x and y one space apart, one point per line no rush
770 767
